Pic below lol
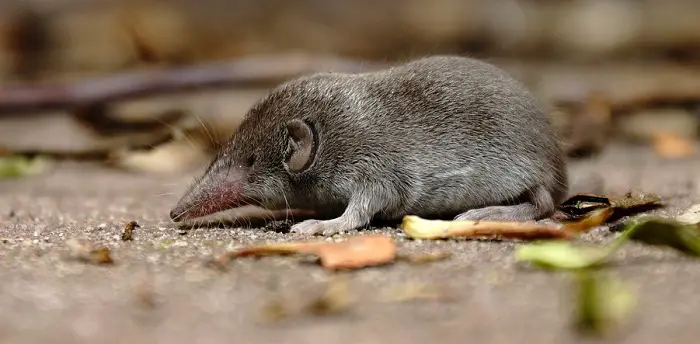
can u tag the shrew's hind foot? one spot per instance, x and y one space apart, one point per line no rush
538 205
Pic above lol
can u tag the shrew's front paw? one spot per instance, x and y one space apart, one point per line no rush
325 228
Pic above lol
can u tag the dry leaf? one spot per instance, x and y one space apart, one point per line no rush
581 205
578 205
128 230
336 299
602 302
424 257
594 219
672 146
419 228
353 253
276 310
86 252
415 291
631 201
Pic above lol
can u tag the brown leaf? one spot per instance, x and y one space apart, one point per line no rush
630 201
592 220
424 257
419 228
86 252
579 206
353 253
415 291
275 310
128 230
672 146
335 299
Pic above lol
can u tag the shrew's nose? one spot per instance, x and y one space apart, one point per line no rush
175 215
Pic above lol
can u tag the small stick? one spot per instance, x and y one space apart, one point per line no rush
248 71
418 228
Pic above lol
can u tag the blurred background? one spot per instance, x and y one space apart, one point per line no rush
154 86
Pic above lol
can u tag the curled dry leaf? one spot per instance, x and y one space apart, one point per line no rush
419 228
672 146
128 230
602 302
353 253
581 205
631 201
592 220
424 257
88 253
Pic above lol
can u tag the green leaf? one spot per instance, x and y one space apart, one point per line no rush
602 302
20 166
555 255
680 236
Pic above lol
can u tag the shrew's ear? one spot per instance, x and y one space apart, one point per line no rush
301 149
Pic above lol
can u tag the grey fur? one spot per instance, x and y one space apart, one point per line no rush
438 137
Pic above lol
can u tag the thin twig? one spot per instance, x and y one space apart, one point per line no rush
249 71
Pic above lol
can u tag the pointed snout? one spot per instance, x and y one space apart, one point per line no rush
177 214
210 195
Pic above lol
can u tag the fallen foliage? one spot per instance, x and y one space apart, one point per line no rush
335 299
551 254
87 252
415 292
353 253
593 219
672 146
275 310
128 230
602 302
581 205
419 228
558 255
424 258
680 236
21 166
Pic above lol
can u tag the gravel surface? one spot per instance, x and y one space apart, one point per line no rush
160 290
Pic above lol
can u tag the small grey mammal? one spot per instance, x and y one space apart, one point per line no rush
437 137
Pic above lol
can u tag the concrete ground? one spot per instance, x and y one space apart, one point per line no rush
47 297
